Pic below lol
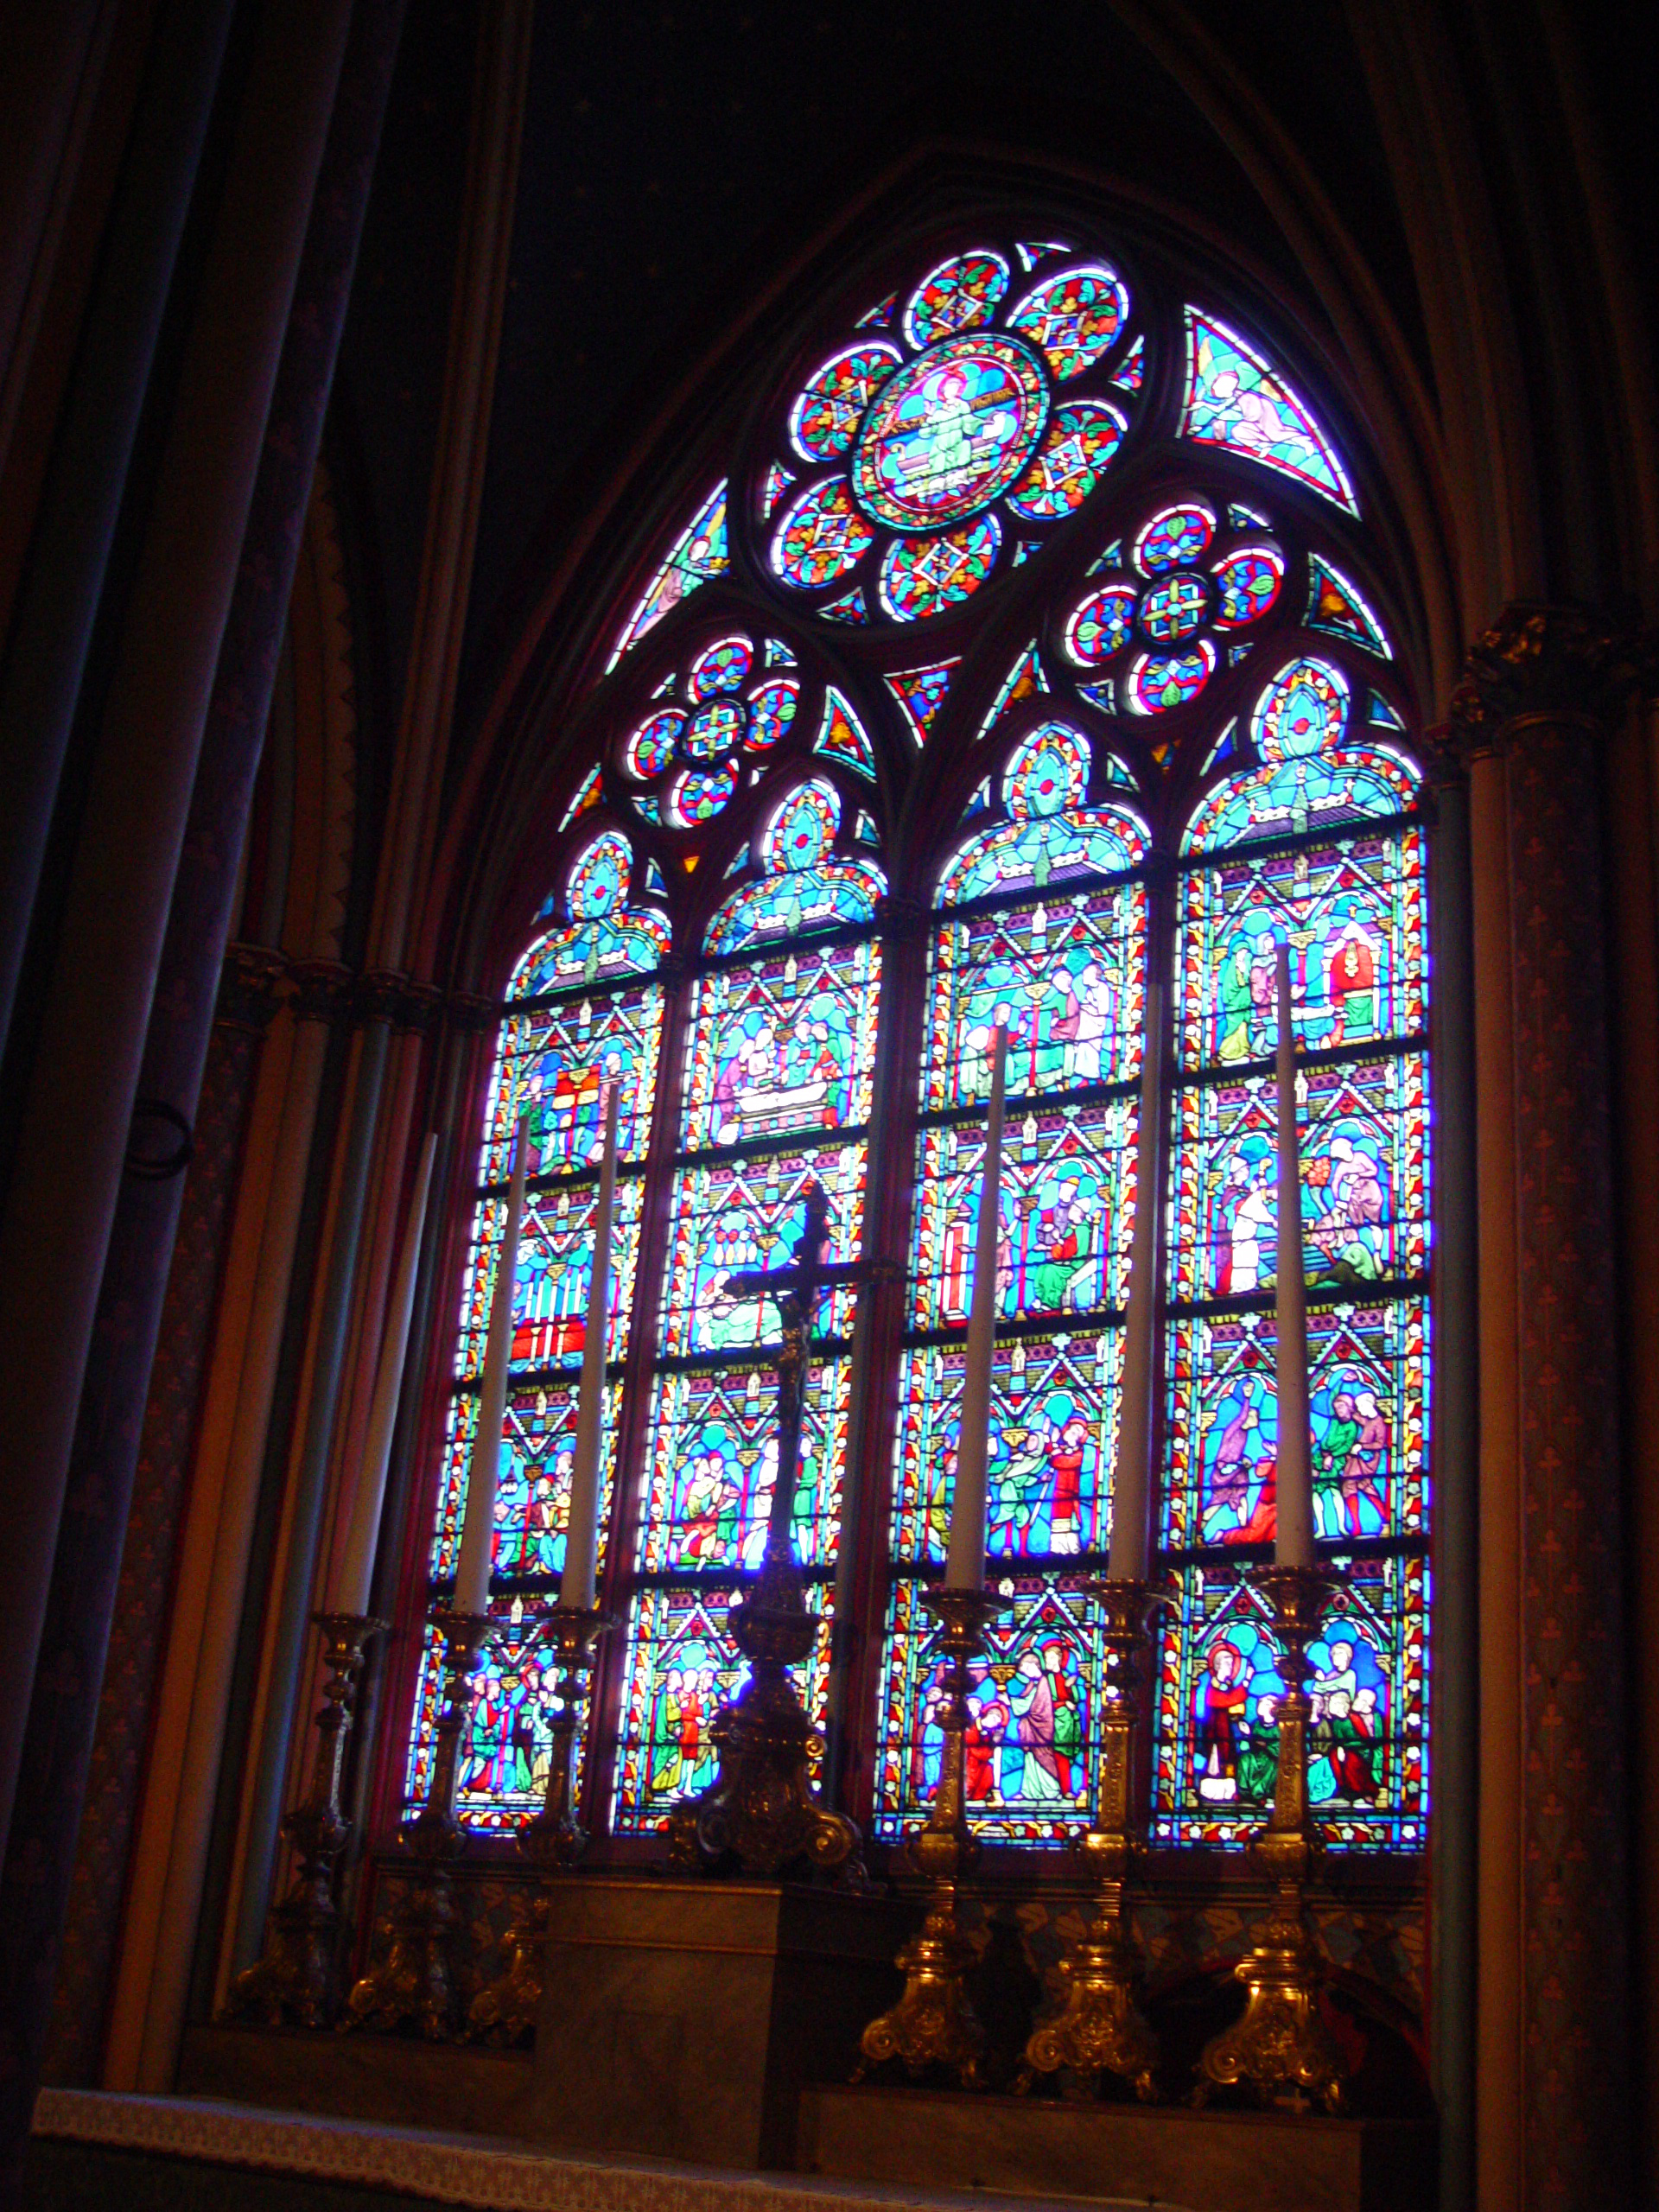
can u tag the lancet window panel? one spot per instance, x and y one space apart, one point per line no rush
1219 1681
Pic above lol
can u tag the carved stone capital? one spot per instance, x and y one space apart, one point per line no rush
323 990
471 1013
897 917
1540 662
249 988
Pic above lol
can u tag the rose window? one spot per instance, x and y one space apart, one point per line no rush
1193 584
691 753
946 438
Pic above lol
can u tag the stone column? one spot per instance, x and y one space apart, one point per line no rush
1531 719
82 1085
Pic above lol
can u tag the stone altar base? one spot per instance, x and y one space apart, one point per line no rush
684 2019
1224 2161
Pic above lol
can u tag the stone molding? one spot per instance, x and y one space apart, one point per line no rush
1541 662
250 987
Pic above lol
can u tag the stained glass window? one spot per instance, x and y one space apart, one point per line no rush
584 1010
1154 724
775 1089
1317 846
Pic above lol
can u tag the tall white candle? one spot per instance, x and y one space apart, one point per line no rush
1293 1542
363 1533
1132 1476
965 1563
582 1526
478 1528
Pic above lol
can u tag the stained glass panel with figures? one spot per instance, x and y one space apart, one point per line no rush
507 1745
726 1215
783 1046
1218 1684
1029 1749
680 1667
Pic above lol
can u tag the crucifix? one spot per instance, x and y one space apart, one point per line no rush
761 1812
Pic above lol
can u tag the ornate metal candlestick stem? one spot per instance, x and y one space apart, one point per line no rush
1280 2046
295 1981
414 1981
1097 2028
934 2023
762 1809
505 2010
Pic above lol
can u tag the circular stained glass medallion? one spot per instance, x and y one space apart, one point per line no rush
1161 680
1101 625
771 709
713 730
824 419
651 748
719 667
1247 583
951 432
822 536
1076 453
1175 607
1074 318
923 575
701 793
1175 538
959 294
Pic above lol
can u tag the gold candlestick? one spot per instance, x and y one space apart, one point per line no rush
295 1981
1097 2027
934 2023
1280 2046
505 2010
415 1980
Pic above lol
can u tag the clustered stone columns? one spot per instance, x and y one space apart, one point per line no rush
1529 721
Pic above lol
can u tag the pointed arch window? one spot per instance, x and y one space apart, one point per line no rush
1027 645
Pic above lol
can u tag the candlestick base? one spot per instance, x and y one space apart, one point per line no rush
1280 2047
505 2010
1097 2028
934 2023
294 1983
414 1983
762 1812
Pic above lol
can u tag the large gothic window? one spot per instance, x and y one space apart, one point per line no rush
1026 655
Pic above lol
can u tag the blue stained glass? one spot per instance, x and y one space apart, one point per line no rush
951 432
959 294
1216 1739
507 1745
822 536
719 667
1031 1747
1233 399
925 575
698 553
609 940
1158 682
1336 607
651 748
804 890
1247 583
1314 775
783 1045
588 792
1047 770
1102 625
1175 539
714 729
700 794
824 419
1082 443
1074 317
1175 607
1031 853
771 709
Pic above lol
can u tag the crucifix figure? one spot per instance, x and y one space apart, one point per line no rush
761 1812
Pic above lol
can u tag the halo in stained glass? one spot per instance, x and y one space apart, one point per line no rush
1074 317
1082 441
1304 710
1175 607
719 667
771 709
1175 539
959 294
923 575
1101 625
651 748
801 831
714 729
1159 681
599 880
1247 584
821 538
701 793
824 419
949 433
1047 770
